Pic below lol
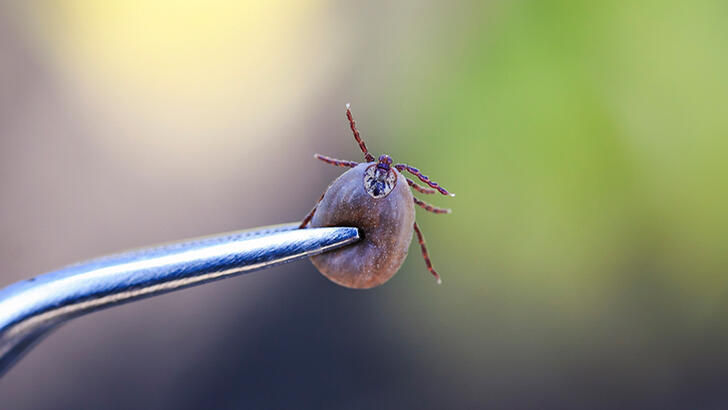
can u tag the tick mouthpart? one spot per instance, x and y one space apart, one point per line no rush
384 162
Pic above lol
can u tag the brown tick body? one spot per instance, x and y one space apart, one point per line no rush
372 197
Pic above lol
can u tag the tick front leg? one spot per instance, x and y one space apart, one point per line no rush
425 254
334 161
424 178
431 208
367 156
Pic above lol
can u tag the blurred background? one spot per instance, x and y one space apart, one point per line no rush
584 264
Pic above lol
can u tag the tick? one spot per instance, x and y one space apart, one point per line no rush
375 197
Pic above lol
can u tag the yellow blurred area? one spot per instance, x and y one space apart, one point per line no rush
187 71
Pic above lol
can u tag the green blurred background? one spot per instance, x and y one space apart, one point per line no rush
584 264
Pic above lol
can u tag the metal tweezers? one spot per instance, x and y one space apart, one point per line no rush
31 308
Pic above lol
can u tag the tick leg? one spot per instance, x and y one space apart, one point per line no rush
420 188
367 156
308 217
425 254
433 209
334 161
424 178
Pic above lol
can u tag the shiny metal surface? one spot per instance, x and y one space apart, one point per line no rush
31 308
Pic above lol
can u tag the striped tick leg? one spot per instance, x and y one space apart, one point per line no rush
367 156
424 178
308 217
425 254
419 188
431 208
336 162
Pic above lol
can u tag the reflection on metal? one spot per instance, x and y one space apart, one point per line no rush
29 309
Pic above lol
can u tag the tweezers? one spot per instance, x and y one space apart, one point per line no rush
32 308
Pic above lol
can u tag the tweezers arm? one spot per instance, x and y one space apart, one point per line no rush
31 308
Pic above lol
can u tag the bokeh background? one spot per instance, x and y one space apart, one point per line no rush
584 265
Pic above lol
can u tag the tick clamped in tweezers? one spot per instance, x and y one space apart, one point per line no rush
375 197
370 203
31 308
